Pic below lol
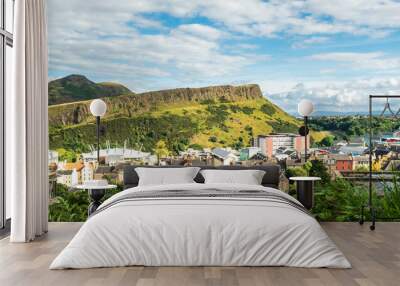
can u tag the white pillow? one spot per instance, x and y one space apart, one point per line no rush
166 176
248 177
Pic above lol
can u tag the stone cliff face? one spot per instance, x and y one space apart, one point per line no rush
131 104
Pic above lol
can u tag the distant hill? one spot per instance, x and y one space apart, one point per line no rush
77 87
215 116
133 104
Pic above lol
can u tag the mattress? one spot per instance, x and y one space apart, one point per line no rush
201 225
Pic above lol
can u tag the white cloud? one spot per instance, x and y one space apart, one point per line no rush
252 17
327 71
201 31
368 13
246 46
339 96
106 41
126 40
373 60
261 18
309 42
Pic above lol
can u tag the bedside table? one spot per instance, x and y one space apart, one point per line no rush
96 193
305 190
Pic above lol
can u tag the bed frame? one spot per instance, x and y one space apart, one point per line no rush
270 179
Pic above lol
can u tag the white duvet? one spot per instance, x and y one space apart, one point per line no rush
202 232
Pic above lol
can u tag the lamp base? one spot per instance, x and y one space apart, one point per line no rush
95 195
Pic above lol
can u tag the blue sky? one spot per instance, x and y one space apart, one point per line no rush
332 52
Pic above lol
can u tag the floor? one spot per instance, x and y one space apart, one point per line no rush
375 257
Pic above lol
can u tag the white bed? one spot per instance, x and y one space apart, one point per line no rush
202 231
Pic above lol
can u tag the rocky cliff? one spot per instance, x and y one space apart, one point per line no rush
133 104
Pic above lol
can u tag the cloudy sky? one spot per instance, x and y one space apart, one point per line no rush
332 52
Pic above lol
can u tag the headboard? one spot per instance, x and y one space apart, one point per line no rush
270 179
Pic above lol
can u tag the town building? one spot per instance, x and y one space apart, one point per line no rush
53 157
69 174
248 152
224 156
396 134
342 162
354 150
391 138
361 162
357 142
270 144
328 160
384 150
113 156
64 177
105 172
87 172
193 157
119 170
394 165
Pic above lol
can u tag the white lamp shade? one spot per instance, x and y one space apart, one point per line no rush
305 107
98 107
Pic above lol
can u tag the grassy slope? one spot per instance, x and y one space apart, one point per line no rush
235 122
181 125
317 136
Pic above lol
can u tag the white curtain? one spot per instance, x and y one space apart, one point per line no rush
27 124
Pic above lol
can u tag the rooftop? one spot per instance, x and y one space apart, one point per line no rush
340 157
126 153
279 135
71 166
222 153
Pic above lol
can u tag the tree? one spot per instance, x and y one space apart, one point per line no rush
161 150
213 139
295 172
307 166
196 146
362 168
327 141
376 165
318 169
66 155
238 144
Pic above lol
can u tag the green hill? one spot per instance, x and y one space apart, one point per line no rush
77 87
185 117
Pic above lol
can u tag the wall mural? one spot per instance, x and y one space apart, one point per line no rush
214 84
